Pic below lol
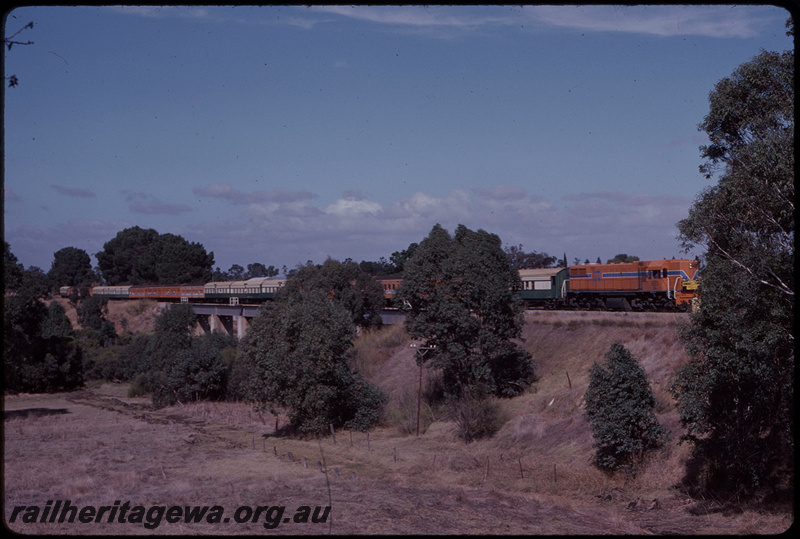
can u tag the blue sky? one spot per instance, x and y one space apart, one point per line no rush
285 134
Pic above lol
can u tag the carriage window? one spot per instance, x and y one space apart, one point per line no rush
656 274
664 273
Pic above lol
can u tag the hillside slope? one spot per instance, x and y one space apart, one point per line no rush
546 423
533 477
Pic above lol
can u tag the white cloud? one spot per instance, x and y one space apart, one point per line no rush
287 232
709 21
417 16
351 208
666 20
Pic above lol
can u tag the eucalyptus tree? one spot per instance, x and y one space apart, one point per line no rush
736 395
345 283
296 351
71 267
459 289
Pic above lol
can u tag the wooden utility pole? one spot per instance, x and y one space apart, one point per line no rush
421 351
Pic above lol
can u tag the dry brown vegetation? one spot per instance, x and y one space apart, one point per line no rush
534 476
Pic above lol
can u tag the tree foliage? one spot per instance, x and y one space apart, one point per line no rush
143 256
12 269
91 312
622 257
459 289
172 259
736 395
238 273
345 283
379 267
619 406
296 348
257 269
519 259
175 366
40 352
399 258
71 267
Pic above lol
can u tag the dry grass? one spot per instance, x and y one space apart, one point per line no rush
532 477
374 347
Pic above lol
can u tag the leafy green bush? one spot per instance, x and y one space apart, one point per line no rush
91 312
199 372
619 406
297 347
40 352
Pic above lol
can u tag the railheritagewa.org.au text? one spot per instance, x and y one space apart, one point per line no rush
151 517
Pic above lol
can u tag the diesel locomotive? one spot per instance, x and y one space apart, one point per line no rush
643 285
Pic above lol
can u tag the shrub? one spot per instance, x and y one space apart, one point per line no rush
619 406
91 312
199 372
297 348
40 352
475 417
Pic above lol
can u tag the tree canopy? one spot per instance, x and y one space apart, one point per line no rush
143 256
399 258
343 282
522 260
173 364
621 257
460 292
296 349
238 273
40 352
736 396
71 267
12 269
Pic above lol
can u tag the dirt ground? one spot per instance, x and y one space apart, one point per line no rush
96 446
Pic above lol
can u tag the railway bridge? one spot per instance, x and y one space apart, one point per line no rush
235 319
228 319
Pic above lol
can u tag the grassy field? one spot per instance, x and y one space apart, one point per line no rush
97 446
